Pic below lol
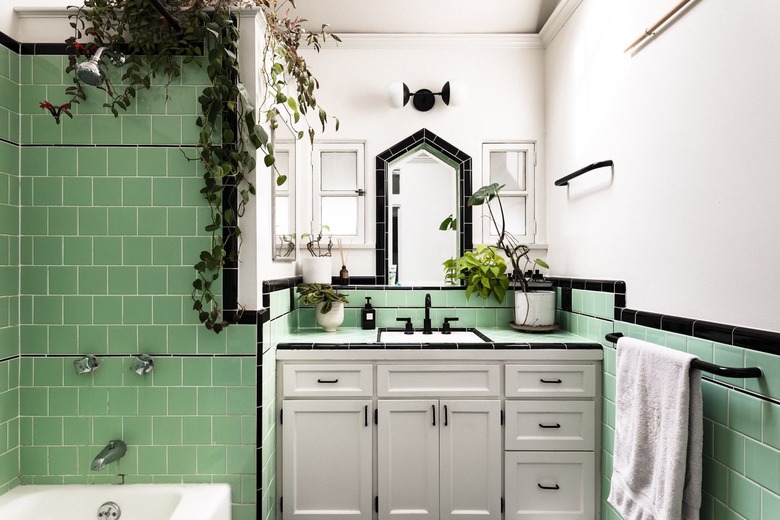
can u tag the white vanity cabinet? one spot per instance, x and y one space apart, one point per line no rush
436 435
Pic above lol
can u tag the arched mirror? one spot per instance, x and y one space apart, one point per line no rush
420 181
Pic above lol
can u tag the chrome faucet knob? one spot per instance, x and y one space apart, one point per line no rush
86 365
142 364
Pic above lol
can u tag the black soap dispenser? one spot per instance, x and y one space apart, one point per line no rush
368 316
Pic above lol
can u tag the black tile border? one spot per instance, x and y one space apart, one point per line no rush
9 43
421 138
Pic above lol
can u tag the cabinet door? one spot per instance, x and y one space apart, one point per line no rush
408 459
326 459
470 458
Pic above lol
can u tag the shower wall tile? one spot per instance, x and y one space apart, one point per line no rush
104 265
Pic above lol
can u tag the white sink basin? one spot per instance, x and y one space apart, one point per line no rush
456 336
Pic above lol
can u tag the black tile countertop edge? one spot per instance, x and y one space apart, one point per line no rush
439 346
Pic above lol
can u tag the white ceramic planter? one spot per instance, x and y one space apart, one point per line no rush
535 308
332 319
316 269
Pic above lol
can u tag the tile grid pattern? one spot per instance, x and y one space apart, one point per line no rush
111 213
742 431
9 268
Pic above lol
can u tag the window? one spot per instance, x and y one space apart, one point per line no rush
511 164
338 190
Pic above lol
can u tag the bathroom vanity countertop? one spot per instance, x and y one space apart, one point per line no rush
347 338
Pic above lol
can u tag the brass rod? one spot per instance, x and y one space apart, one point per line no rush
651 30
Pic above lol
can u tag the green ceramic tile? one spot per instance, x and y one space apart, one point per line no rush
715 402
770 505
241 400
166 192
107 192
730 448
152 221
93 280
762 465
196 430
151 101
63 221
211 459
136 129
227 371
93 221
152 460
122 162
122 339
182 221
34 280
152 162
744 496
34 221
210 343
47 371
137 192
182 460
197 371
93 401
93 162
47 431
183 339
122 221
151 280
729 356
166 129
64 338
93 339
63 162
183 401
241 460
212 401
47 250
62 280
167 251
34 460
137 251
108 309
769 384
152 401
77 192
715 478
106 130
166 309
45 130
77 430
180 280
108 250
137 310
137 430
227 430
745 414
771 424
63 460
47 70
47 310
34 161
77 130
77 310
167 430
122 280
190 132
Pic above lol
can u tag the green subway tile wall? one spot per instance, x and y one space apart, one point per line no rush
9 269
98 260
741 431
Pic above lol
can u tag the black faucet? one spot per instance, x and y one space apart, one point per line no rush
427 320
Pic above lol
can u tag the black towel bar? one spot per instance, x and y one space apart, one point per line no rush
708 367
563 181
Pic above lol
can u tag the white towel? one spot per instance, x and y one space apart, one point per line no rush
657 468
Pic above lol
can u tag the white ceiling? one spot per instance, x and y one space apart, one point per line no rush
426 16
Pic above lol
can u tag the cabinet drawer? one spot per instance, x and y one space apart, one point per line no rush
550 380
550 425
550 486
328 380
438 380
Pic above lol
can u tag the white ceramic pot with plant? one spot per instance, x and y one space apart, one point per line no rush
329 304
317 268
485 271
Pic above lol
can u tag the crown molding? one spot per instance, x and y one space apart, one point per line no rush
557 20
412 41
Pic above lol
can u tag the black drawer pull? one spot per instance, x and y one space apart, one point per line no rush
433 408
556 425
329 381
551 381
553 487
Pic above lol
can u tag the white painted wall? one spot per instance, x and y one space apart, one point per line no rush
692 121
506 101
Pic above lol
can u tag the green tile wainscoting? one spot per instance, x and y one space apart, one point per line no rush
9 268
741 430
98 260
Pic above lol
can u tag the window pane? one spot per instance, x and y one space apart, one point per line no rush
339 171
514 212
340 214
508 168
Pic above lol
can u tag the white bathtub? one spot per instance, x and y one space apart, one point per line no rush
136 501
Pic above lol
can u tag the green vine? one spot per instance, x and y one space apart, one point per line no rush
228 128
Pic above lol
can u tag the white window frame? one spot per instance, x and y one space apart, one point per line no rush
359 148
529 147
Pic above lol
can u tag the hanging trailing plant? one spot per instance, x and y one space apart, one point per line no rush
204 32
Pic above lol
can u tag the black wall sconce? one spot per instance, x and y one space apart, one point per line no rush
423 100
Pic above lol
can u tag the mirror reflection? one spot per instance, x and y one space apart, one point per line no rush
283 197
423 191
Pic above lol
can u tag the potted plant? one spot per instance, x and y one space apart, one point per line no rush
329 303
316 269
534 309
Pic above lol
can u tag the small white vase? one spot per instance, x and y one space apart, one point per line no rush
332 319
535 308
316 269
